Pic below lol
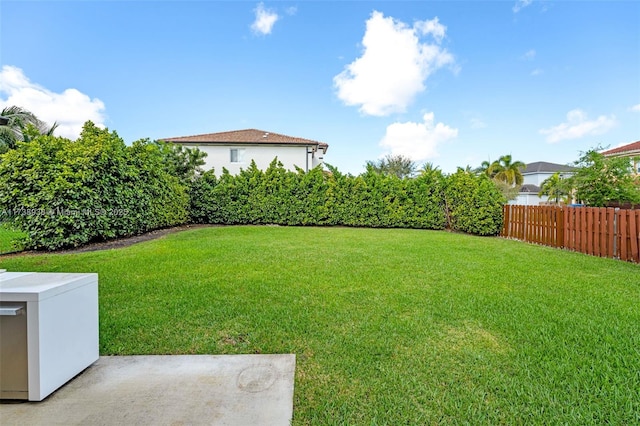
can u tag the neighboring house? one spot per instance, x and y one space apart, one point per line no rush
631 150
533 176
234 150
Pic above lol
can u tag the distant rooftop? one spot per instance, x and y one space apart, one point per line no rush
544 167
628 149
528 187
247 136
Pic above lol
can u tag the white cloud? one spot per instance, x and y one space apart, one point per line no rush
417 141
578 125
70 109
292 10
521 4
394 65
265 20
432 27
537 71
530 55
476 123
635 108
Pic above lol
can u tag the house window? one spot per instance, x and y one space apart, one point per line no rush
237 155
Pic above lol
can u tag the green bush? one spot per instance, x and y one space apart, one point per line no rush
310 197
64 194
473 204
426 193
204 207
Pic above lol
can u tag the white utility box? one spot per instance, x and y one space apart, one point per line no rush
48 331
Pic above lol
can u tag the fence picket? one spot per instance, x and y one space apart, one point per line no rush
633 236
622 233
580 225
560 230
593 216
589 249
611 232
604 232
569 235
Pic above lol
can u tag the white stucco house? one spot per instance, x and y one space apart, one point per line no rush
533 176
234 150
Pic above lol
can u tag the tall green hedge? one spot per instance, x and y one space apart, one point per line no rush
64 193
462 201
473 203
377 200
274 196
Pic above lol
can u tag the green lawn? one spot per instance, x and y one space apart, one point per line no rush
389 326
7 237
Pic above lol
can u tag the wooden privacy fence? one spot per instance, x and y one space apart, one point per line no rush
604 232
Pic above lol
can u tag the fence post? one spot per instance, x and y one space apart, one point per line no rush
615 233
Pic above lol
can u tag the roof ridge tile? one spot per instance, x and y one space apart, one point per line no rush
249 136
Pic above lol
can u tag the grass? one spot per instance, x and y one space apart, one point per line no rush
389 326
7 238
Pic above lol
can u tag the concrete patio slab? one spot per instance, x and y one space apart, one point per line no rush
168 390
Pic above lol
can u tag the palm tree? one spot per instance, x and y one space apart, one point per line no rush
555 187
507 170
20 125
428 168
487 168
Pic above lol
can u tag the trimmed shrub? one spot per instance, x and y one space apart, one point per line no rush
473 204
64 194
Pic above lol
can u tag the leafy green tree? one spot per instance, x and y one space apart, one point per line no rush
602 180
393 165
21 126
556 188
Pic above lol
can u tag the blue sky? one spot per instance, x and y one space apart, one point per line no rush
452 83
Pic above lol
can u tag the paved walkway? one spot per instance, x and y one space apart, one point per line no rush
168 390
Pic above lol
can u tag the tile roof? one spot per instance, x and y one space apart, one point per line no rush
528 188
631 148
544 167
247 136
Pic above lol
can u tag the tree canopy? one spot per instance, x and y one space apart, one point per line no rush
601 180
505 173
393 165
504 169
556 188
22 126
